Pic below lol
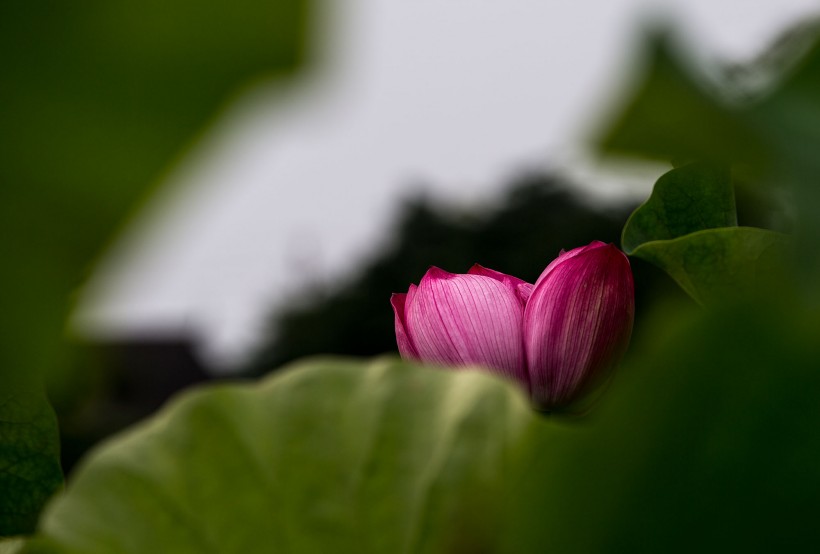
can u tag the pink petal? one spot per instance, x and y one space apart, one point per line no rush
577 322
399 301
564 256
467 319
497 275
524 290
519 286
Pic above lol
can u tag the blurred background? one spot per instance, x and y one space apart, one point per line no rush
276 210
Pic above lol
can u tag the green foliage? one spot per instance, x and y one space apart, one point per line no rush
326 456
709 426
97 99
705 443
686 199
762 114
29 457
708 444
11 546
717 264
688 227
673 115
764 117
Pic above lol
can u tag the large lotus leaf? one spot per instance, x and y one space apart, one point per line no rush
684 200
706 442
327 456
97 99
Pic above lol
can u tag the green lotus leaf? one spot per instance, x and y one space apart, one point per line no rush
326 456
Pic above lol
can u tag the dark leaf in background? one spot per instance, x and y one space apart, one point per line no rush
29 456
675 115
768 126
706 442
97 98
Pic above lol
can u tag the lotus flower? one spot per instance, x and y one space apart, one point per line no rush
557 338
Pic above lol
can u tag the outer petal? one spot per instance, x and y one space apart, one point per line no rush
399 302
577 322
564 256
467 319
519 286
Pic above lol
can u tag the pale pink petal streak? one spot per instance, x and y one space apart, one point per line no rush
468 319
519 286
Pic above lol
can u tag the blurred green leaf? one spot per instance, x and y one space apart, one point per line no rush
328 456
97 99
709 427
684 200
789 118
706 442
764 115
11 546
673 115
789 114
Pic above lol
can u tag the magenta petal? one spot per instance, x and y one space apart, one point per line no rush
519 286
497 275
467 319
524 290
399 302
564 256
577 322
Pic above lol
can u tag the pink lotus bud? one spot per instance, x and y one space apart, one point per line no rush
577 322
557 338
